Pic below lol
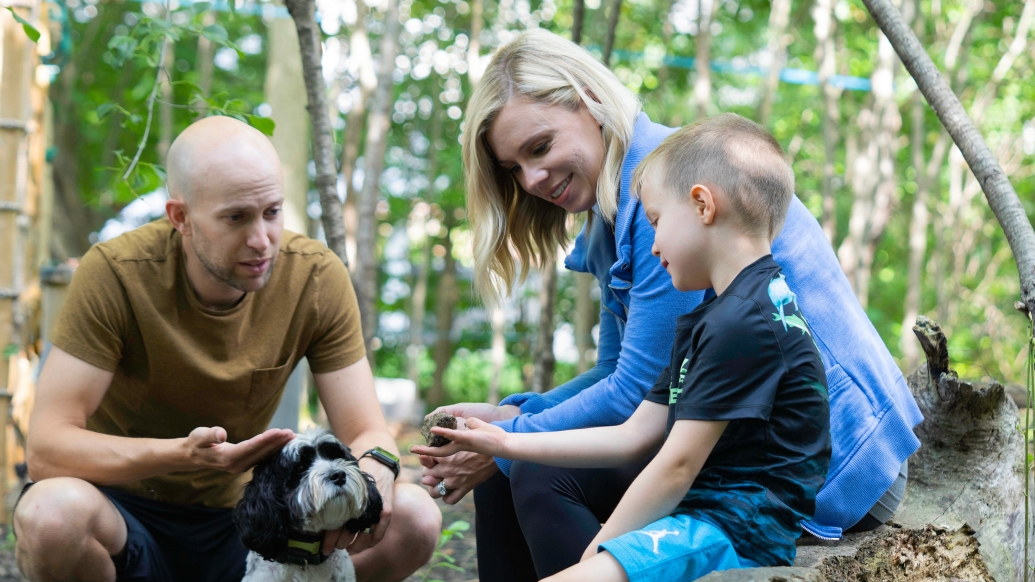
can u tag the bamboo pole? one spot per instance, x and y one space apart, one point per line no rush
16 66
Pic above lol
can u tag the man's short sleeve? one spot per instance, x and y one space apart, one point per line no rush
735 367
339 340
94 320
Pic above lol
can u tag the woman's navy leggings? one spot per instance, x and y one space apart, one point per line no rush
561 509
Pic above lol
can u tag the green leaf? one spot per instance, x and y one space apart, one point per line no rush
200 7
105 110
216 34
459 526
30 30
10 350
263 124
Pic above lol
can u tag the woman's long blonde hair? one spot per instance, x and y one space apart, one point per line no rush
511 229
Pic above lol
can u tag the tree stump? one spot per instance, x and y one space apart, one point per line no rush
962 517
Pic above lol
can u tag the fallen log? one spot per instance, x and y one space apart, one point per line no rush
962 517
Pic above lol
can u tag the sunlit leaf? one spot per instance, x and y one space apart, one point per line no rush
216 34
263 124
30 30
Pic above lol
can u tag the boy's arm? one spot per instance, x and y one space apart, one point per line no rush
605 446
664 482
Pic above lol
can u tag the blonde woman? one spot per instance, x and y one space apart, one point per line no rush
551 131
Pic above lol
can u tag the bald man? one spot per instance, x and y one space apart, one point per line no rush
169 359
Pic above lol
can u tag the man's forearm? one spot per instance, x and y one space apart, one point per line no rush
70 451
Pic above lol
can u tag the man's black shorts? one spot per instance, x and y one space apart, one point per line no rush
176 543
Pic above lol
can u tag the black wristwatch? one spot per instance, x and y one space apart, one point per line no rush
385 458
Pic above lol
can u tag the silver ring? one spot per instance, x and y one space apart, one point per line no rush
442 489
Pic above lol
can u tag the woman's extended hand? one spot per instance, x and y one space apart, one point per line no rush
480 410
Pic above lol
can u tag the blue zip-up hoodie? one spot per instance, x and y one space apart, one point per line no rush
871 410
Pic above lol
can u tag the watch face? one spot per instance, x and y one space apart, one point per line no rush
387 454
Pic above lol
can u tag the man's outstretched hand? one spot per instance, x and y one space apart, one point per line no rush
207 447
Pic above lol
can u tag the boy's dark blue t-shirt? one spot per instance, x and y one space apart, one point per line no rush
747 356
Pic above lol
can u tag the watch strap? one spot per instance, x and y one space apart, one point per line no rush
385 458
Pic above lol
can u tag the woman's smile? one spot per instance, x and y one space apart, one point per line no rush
553 152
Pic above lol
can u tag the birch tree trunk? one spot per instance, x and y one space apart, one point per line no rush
702 57
779 14
1002 197
302 11
286 93
362 64
379 122
826 57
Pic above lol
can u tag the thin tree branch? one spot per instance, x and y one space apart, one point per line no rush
1002 197
150 106
303 13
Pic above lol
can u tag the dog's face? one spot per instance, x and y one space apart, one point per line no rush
312 485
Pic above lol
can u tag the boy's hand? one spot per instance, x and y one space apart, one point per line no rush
480 437
591 549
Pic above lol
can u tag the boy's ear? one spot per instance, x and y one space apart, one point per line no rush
703 200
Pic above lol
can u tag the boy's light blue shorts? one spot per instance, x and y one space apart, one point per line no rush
677 547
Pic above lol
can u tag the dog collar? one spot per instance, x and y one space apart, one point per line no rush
303 549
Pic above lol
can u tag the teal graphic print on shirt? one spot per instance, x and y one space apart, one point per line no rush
673 391
780 294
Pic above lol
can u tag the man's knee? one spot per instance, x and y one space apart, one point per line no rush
55 513
417 511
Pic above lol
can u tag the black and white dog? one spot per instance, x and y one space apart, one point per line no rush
312 485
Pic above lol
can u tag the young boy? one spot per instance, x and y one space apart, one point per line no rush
746 443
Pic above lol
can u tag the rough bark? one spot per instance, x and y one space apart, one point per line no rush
826 55
302 12
379 121
779 14
612 26
446 295
542 378
702 57
1002 197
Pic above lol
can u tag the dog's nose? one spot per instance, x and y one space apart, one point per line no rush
337 477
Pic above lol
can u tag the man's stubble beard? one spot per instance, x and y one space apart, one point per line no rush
226 274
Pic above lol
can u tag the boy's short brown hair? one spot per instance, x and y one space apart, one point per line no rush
734 154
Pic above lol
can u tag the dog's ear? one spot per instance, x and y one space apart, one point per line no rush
372 512
262 515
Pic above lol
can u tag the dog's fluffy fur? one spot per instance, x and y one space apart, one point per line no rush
312 485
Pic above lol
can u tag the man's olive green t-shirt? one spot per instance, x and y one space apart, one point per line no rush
178 365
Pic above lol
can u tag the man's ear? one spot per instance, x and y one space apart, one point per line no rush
703 199
176 210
